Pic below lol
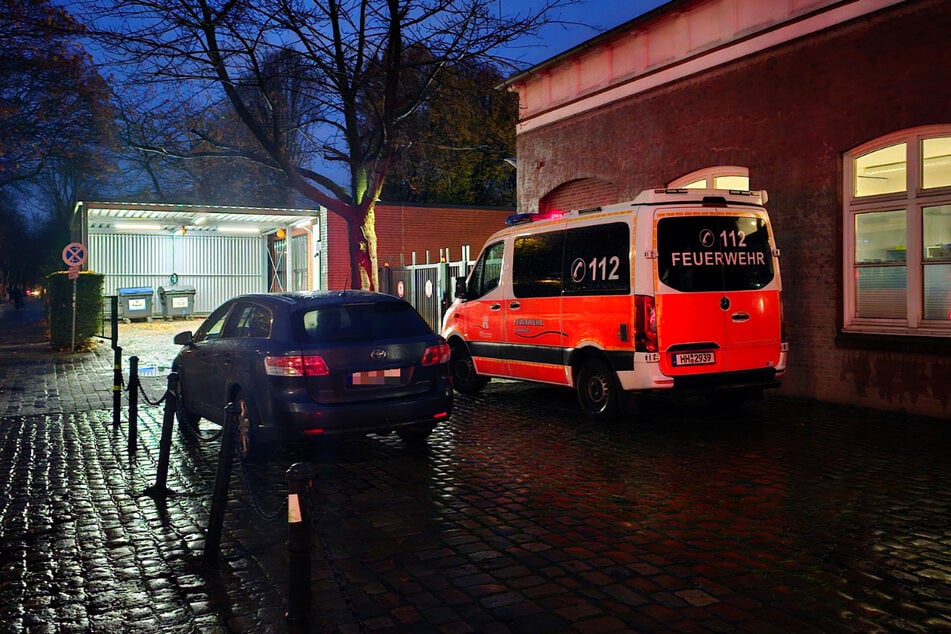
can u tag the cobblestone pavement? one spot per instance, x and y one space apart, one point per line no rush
519 516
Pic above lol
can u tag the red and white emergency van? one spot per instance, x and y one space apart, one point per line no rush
677 289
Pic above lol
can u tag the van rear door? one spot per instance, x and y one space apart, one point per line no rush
717 291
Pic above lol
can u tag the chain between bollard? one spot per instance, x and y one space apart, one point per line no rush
191 430
150 401
268 516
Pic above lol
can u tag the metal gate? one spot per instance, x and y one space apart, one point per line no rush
428 287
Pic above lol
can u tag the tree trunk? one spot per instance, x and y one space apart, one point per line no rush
363 260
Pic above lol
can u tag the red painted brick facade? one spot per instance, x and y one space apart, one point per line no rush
579 194
788 114
404 228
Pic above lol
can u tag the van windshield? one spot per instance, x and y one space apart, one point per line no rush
714 253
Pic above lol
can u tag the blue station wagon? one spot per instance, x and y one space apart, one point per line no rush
314 364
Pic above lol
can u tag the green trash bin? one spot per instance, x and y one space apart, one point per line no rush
136 303
177 301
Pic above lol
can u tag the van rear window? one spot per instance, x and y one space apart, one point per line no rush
714 253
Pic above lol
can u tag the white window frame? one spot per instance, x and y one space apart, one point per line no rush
912 200
710 174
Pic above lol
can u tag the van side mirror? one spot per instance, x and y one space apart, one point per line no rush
460 288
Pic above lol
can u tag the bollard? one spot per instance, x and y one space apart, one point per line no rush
114 319
299 478
116 387
133 404
222 480
165 444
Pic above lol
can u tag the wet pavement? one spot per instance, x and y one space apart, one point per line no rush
519 515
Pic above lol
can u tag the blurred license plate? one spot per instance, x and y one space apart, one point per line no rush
376 377
694 358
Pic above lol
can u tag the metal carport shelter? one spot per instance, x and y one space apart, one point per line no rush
220 251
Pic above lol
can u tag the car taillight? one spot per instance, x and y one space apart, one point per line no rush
645 324
437 354
283 366
312 365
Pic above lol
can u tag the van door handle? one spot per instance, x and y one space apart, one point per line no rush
740 316
515 305
495 306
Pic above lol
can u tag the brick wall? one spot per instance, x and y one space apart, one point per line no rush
404 228
579 194
787 114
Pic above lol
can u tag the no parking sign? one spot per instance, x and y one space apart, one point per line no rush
74 254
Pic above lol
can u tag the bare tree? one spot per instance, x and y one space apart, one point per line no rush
53 103
323 87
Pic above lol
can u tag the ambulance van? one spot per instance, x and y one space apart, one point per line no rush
677 290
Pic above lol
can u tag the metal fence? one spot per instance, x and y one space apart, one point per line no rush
430 288
219 268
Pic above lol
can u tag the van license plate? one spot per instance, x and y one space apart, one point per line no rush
694 358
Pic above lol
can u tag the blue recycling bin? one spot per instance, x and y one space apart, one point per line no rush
136 303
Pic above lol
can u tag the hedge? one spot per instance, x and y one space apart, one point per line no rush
88 309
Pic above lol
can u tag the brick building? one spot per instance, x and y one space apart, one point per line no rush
841 110
406 228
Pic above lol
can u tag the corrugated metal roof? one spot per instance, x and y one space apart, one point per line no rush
103 217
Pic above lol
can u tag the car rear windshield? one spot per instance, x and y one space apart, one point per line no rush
714 253
370 321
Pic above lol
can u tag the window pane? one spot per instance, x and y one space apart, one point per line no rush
938 291
937 232
485 276
714 253
880 237
936 162
536 268
880 292
597 260
881 172
253 321
732 182
700 184
301 253
370 321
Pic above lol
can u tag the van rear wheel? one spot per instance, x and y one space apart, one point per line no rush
598 391
463 373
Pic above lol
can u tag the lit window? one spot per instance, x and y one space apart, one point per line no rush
937 262
717 177
880 252
897 225
881 171
936 162
731 182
